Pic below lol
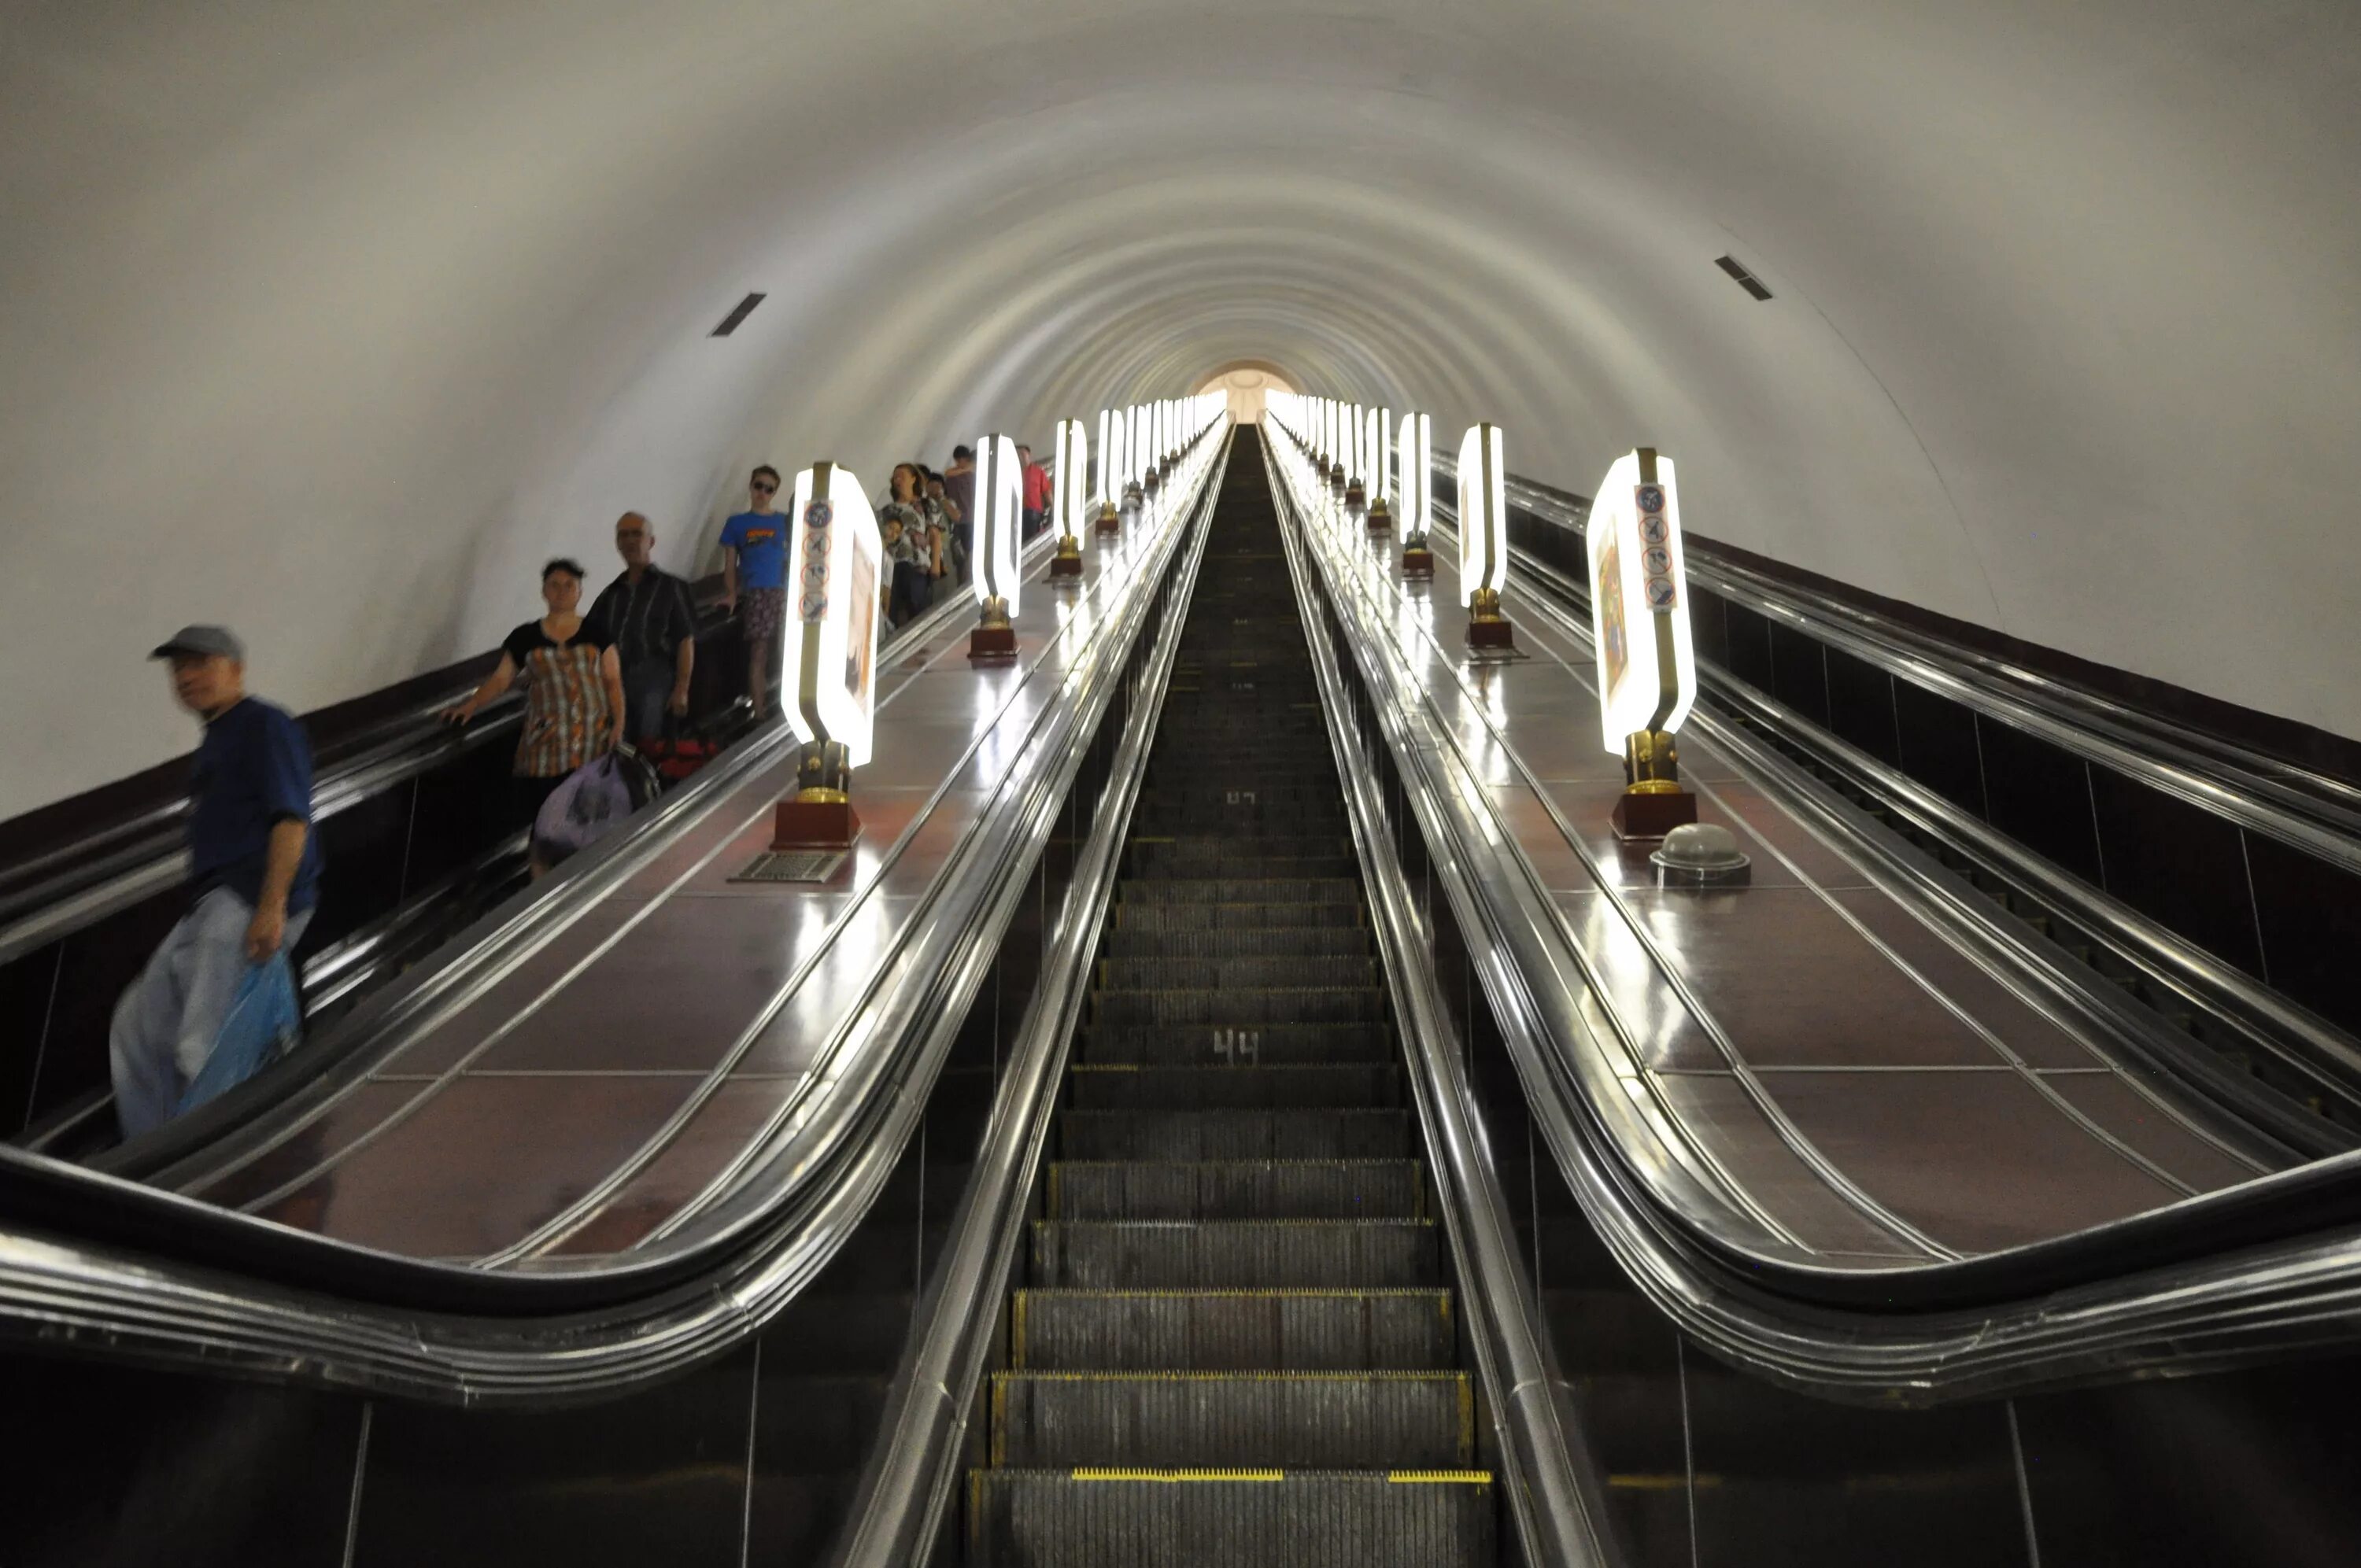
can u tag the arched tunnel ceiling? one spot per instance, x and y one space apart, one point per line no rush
331 322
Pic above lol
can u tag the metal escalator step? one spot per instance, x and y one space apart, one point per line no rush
1323 1086
1236 1190
1234 1134
1251 916
1306 1004
1260 971
1326 1421
1239 890
1230 942
1215 1045
1231 1331
1114 1255
1239 1518
1238 858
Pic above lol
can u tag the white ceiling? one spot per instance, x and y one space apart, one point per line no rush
331 322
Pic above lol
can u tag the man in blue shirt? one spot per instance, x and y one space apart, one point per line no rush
754 563
255 871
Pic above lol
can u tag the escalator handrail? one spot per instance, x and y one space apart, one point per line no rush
173 1281
2312 812
916 1459
2233 1275
1554 1478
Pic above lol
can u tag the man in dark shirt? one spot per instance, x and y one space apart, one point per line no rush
959 489
254 869
646 616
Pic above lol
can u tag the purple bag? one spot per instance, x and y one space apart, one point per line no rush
578 812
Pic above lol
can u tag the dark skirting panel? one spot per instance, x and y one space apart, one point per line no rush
2040 795
1861 707
2311 912
1938 746
2180 864
1798 678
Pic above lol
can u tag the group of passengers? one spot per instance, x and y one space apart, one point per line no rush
591 681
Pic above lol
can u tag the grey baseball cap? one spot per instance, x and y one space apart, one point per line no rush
205 640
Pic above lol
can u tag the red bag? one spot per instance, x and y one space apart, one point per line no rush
676 757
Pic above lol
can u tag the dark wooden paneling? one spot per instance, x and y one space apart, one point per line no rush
2040 795
1938 745
2178 863
1861 705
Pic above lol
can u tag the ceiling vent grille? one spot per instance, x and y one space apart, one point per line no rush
745 308
1729 264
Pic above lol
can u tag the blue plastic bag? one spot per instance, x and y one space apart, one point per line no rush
264 1022
593 798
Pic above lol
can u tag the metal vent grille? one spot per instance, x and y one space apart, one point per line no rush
1746 281
793 865
730 323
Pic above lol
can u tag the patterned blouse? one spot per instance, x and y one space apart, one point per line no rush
566 719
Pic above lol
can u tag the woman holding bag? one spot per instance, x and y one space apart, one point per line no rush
573 695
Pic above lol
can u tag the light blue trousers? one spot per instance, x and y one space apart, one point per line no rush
168 1018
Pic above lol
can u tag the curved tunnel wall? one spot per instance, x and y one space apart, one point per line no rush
332 323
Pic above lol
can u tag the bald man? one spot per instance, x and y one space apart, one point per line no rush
645 614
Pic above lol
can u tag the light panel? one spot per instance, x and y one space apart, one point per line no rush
999 504
1483 513
837 558
1070 490
1638 601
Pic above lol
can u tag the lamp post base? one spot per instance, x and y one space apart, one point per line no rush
1653 813
1110 520
1381 518
992 644
1417 563
1491 635
1066 562
799 823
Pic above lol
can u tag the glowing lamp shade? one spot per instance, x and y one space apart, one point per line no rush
1483 513
1638 601
829 672
1108 488
1417 472
1071 489
1374 439
999 503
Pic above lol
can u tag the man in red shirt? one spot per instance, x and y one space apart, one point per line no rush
1037 492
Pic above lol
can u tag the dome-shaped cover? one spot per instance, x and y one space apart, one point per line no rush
1706 850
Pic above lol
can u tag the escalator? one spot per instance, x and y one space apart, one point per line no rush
1234 1337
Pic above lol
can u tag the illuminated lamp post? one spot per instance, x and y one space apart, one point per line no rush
1110 520
999 500
1071 450
828 656
1357 479
1484 539
1380 516
1417 454
1639 621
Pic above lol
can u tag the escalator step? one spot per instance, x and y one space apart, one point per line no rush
1309 1004
1231 942
1236 1190
1252 1518
1231 1331
1117 1254
1261 972
1234 1134
1239 858
1263 1045
1240 890
1323 1086
1210 916
1327 1420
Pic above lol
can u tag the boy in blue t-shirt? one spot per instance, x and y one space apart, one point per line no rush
755 562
